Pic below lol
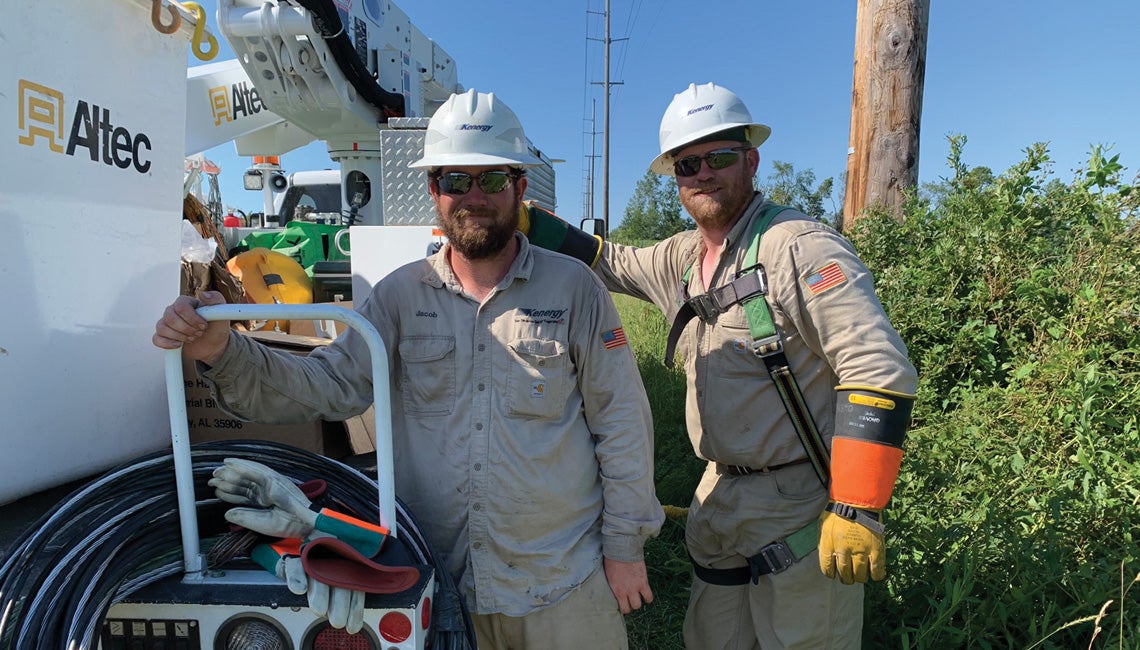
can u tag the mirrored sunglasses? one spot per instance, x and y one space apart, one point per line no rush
715 159
459 183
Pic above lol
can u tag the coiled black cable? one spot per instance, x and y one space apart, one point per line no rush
120 533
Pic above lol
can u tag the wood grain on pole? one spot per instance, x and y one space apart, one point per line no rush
886 104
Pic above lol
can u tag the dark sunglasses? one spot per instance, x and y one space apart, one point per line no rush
459 183
716 159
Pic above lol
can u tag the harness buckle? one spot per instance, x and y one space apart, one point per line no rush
705 306
768 346
773 558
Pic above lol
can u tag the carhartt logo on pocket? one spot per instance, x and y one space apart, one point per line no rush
538 389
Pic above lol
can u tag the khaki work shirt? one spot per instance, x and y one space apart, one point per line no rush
824 304
522 434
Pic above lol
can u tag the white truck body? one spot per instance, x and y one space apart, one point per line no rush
91 203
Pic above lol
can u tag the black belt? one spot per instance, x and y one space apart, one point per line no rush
739 470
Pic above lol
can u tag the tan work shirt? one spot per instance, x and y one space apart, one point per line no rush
823 302
522 435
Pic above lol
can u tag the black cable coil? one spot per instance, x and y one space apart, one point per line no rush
120 533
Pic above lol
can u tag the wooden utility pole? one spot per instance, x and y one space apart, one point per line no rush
886 104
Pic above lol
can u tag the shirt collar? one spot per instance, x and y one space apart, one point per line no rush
439 273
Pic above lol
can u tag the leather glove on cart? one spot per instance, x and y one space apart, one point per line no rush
275 506
866 454
343 607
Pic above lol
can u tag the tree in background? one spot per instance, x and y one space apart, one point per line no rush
653 212
786 186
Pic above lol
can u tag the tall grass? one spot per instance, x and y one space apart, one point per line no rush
1015 520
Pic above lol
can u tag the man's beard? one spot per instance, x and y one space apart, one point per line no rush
477 241
719 212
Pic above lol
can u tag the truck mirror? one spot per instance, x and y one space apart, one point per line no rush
594 227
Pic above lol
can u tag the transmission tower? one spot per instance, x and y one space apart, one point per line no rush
606 120
588 190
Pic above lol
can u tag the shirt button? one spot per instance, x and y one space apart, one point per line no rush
482 347
542 363
477 545
478 466
479 427
478 506
481 386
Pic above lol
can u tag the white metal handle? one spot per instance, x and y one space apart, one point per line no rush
180 435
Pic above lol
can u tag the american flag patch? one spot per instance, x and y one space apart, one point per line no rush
614 338
825 278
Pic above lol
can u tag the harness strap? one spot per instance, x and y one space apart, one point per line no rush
749 288
708 306
772 558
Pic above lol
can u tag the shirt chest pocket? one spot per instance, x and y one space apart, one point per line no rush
539 379
428 375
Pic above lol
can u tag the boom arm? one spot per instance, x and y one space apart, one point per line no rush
327 73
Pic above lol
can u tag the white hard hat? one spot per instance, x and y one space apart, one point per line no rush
475 128
701 111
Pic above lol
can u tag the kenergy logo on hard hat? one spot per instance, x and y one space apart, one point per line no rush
41 117
233 101
706 107
473 127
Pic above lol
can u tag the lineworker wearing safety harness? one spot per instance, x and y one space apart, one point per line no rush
521 431
799 390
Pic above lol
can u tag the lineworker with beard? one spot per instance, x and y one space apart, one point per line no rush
799 390
521 430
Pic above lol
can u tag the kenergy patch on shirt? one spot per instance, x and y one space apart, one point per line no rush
614 338
825 278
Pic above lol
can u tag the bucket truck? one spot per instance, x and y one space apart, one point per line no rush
100 112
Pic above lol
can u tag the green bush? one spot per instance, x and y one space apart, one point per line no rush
1017 511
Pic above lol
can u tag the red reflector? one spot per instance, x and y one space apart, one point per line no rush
425 615
395 627
332 638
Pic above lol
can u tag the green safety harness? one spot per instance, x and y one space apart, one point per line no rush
749 288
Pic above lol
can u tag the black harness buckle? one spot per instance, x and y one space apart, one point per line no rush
773 558
706 307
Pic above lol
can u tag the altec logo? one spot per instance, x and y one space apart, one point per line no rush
233 101
41 118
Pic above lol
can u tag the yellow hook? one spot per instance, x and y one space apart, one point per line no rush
156 17
199 31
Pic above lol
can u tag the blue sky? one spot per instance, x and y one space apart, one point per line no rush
1005 74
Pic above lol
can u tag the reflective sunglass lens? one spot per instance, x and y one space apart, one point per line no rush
721 159
459 183
716 159
455 183
687 166
493 182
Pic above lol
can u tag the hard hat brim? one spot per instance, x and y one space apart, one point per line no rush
469 159
663 163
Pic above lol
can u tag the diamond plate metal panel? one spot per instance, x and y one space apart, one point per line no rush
404 195
405 198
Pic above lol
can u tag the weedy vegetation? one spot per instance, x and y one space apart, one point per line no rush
1016 516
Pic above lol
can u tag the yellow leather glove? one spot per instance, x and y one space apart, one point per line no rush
851 543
